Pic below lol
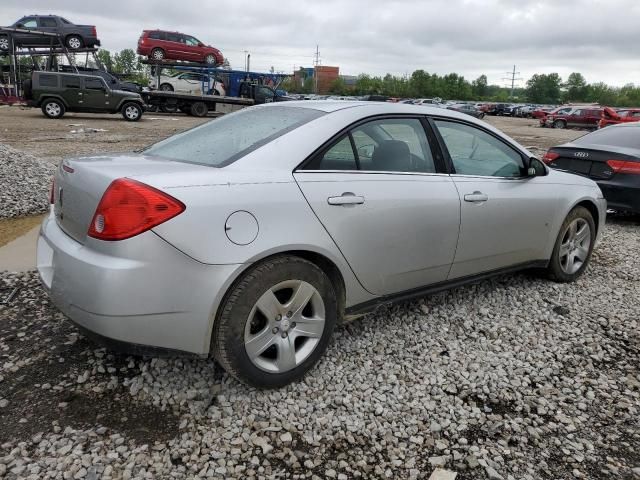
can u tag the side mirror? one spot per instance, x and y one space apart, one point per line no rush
536 168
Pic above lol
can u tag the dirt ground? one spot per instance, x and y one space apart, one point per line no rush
28 130
11 228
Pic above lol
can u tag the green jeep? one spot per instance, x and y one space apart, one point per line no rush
56 93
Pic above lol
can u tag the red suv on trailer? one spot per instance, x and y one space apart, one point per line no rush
163 45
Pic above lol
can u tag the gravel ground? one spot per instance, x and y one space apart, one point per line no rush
513 378
25 182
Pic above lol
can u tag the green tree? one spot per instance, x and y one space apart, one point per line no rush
125 61
576 88
104 57
480 87
544 88
338 87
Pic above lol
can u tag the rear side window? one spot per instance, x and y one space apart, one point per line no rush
157 35
222 141
339 157
48 22
627 137
71 82
173 37
48 80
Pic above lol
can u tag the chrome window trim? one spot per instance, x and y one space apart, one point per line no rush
377 172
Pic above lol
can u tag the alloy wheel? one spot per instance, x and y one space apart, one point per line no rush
74 43
4 43
574 249
53 109
284 326
131 112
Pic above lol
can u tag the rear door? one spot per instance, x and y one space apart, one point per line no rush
72 91
172 45
505 215
381 193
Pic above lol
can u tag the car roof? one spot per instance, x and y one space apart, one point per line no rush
329 106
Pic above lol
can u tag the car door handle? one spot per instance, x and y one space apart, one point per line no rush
347 198
476 197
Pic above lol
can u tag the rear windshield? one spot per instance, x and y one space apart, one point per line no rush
627 137
222 141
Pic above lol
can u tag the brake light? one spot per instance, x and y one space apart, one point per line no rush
622 166
51 194
129 208
550 157
94 32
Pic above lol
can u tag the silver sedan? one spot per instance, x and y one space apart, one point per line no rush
249 237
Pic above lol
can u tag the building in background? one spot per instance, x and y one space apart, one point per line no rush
323 76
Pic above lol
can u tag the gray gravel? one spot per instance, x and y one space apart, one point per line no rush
25 183
513 378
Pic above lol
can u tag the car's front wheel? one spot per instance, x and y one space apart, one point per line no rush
166 87
559 124
53 108
275 322
573 247
210 59
131 111
74 42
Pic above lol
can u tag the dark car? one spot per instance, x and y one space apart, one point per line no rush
468 109
611 157
113 81
56 93
73 36
162 45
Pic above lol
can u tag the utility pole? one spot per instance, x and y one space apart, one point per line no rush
316 64
513 79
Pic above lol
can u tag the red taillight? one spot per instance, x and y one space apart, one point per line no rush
51 194
550 157
128 208
94 32
622 166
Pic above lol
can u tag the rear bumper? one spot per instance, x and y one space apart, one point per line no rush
622 192
145 293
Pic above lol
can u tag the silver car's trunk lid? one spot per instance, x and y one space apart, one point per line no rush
80 183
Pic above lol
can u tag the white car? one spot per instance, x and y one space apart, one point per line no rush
188 82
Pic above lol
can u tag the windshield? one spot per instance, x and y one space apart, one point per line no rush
222 141
627 137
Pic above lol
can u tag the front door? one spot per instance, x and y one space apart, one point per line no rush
390 210
505 215
95 95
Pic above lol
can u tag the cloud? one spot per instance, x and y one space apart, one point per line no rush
470 37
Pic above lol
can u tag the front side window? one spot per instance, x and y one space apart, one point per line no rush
475 152
29 22
94 84
222 141
191 41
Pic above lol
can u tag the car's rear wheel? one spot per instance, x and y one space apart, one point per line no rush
74 42
157 54
53 108
166 87
4 43
199 109
275 322
573 247
210 59
131 111
559 124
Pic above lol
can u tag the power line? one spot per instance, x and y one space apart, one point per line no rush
316 64
512 78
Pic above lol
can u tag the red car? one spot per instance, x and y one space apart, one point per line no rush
162 45
542 116
612 117
540 112
578 117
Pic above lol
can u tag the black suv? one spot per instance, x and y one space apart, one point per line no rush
56 93
73 36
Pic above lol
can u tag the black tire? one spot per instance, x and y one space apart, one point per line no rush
53 108
555 270
166 87
131 111
228 341
4 43
210 59
157 54
199 109
559 124
74 42
173 108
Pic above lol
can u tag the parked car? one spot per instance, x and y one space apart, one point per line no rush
578 117
56 93
162 45
468 109
611 157
540 112
73 36
189 82
114 82
498 109
613 117
215 205
557 111
425 101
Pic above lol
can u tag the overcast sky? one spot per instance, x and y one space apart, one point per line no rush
599 38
